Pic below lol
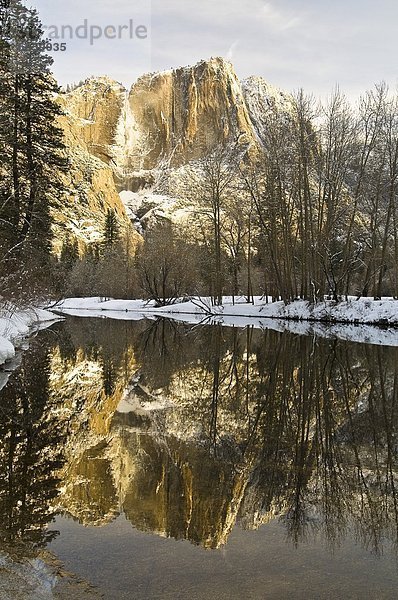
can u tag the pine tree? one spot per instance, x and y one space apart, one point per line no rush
8 216
32 156
69 252
111 228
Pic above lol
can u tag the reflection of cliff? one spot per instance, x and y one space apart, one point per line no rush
91 384
241 426
175 489
89 492
142 459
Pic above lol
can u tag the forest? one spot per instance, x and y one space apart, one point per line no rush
312 214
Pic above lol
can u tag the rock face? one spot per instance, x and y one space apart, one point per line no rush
120 140
264 102
174 116
183 114
89 184
95 108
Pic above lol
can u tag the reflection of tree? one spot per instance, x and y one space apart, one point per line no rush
67 348
280 407
31 441
286 425
161 350
104 341
326 436
370 435
109 375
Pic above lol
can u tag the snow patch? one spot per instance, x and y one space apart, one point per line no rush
365 320
16 324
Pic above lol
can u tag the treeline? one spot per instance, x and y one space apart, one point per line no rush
311 214
32 155
166 265
162 266
325 197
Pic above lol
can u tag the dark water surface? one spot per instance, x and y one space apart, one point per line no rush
158 460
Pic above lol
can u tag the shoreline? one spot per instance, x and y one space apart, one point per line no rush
16 326
360 325
364 311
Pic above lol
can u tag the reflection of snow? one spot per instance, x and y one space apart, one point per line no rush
354 320
27 579
15 325
134 403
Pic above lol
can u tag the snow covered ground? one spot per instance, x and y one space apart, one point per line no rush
364 320
15 326
362 311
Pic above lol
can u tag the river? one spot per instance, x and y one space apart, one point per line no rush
155 460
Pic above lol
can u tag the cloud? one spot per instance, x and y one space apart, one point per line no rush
291 43
231 50
279 20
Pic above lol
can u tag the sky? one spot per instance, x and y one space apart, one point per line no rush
313 44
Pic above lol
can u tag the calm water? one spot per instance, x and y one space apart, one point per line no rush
158 460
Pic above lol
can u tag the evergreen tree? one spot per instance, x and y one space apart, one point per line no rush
8 216
31 451
111 228
69 252
32 150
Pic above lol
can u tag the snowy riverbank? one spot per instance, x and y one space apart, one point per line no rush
17 324
363 311
364 321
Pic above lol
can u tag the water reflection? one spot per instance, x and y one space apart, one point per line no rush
188 431
31 437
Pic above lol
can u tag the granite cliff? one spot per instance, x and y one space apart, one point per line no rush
88 123
185 113
121 140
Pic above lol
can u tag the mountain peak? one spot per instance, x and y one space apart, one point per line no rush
96 84
184 113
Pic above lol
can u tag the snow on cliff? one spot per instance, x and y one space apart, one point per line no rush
264 101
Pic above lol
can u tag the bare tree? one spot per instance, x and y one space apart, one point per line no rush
165 265
212 187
